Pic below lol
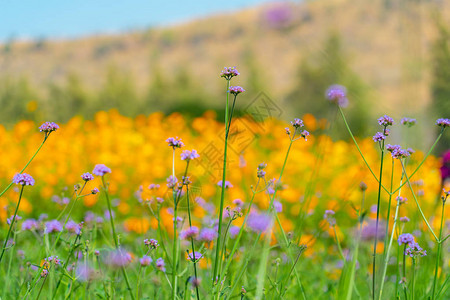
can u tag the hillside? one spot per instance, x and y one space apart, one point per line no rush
388 46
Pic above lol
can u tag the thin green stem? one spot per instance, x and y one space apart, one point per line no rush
404 272
192 243
359 150
12 224
438 256
377 222
222 195
338 244
389 206
31 159
417 203
413 278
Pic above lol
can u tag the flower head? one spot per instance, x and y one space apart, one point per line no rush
151 243
405 238
236 90
329 216
207 235
297 123
408 122
23 179
400 153
29 224
229 72
73 227
171 181
87 177
101 169
386 121
379 136
404 219
189 233
53 226
118 258
414 250
337 94
227 184
175 142
95 191
304 134
145 261
48 127
161 265
189 155
195 256
443 122
258 222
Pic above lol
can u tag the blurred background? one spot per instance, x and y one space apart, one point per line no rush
61 59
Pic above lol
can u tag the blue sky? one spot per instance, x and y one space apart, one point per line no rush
67 19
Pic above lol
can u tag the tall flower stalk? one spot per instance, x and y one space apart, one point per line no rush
438 255
227 73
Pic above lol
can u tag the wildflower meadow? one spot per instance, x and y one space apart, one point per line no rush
167 207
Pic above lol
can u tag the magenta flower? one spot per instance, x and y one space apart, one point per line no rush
405 238
151 243
297 123
48 127
101 170
23 179
195 256
337 94
95 191
189 155
87 177
414 250
304 134
175 142
277 206
229 72
30 224
236 90
378 137
73 227
400 153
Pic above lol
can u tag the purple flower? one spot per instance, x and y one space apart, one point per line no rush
161 265
236 90
189 233
400 153
95 191
392 148
279 16
288 131
337 94
152 243
207 235
258 222
9 220
73 227
238 202
189 155
101 169
29 224
23 179
297 123
329 216
195 256
405 238
234 231
48 127
408 122
443 122
277 206
85 273
175 142
378 137
87 177
402 200
118 258
414 250
145 261
227 184
53 226
171 181
304 134
404 219
229 72
385 121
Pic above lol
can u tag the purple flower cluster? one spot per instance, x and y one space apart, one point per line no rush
337 94
404 219
401 199
401 153
101 169
379 136
386 121
151 243
297 123
87 177
189 155
171 181
191 232
73 227
160 264
48 127
236 90
30 224
227 184
94 191
118 258
304 134
195 256
414 250
145 261
207 235
443 122
329 216
53 226
23 179
408 122
175 142
260 173
229 72
258 222
405 238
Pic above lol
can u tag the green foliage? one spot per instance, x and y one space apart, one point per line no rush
316 73
440 85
